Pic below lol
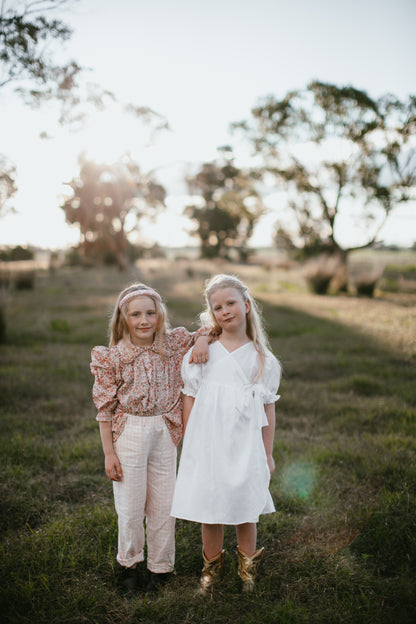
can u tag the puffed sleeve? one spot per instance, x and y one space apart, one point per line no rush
181 339
191 376
272 375
104 392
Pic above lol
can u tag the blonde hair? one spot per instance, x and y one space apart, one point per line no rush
118 328
254 325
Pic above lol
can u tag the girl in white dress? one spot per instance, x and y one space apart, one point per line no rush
229 423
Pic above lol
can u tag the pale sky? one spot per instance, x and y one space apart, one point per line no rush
202 65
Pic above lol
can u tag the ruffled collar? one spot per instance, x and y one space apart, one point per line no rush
128 352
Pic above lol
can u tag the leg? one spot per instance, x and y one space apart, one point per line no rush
248 557
130 493
212 539
212 554
247 537
160 525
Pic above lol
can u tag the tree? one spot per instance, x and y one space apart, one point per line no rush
24 37
335 151
107 202
30 37
229 208
27 38
16 253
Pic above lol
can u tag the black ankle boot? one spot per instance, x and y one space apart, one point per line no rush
129 581
157 581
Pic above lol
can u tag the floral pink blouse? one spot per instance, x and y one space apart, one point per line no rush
138 381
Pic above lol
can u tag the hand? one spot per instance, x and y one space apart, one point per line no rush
200 352
113 467
213 336
270 463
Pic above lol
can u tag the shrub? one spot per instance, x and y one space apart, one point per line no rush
366 284
25 280
16 253
319 273
365 276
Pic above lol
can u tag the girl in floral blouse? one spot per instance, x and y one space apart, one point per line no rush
137 392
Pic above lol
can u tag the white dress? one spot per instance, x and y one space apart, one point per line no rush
223 476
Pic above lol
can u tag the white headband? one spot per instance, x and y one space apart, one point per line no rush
139 292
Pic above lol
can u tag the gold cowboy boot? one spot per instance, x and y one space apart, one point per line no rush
248 567
210 572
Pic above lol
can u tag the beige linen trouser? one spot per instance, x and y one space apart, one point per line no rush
148 460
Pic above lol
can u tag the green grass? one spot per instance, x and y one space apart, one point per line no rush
342 545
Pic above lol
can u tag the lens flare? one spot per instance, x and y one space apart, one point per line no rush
298 479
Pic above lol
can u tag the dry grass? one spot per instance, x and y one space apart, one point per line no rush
341 547
389 317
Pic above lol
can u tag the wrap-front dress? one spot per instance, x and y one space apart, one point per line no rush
223 475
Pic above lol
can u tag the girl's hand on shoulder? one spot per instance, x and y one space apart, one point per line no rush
113 467
270 463
200 352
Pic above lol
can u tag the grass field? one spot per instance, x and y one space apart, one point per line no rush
342 547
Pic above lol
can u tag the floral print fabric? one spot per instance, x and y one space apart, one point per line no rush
139 381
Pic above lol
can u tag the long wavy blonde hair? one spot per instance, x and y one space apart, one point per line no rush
254 325
118 327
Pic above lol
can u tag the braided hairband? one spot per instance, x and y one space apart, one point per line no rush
139 292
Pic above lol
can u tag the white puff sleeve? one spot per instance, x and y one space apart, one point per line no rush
272 375
191 376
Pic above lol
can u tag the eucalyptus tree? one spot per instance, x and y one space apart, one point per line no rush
106 203
343 158
226 206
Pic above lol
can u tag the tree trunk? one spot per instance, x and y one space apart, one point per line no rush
340 279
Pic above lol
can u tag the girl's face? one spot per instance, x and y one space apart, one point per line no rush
142 320
229 308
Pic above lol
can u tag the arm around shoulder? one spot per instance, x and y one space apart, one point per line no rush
200 350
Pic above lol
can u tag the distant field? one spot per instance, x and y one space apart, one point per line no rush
342 546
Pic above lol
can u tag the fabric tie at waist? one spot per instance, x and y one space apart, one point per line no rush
252 406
